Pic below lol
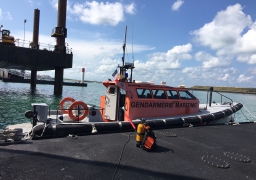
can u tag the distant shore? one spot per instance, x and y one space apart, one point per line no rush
225 89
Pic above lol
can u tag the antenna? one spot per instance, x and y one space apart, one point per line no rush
132 45
124 44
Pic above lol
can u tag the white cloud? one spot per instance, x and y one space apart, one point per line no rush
98 12
252 70
193 72
1 14
225 28
243 78
172 58
232 34
210 61
247 42
130 9
224 78
8 16
30 1
250 59
176 6
5 15
99 57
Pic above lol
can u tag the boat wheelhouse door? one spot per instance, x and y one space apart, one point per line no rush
111 102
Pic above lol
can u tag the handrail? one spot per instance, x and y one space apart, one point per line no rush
224 96
26 75
41 46
220 96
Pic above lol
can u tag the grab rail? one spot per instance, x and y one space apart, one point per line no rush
224 96
211 90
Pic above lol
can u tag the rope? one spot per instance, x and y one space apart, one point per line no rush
45 126
244 115
114 175
249 112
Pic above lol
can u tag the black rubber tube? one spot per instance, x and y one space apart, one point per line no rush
192 120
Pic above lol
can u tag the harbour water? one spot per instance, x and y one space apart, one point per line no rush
16 99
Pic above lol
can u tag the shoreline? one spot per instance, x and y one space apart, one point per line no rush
225 89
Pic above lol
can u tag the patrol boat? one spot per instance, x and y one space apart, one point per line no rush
123 106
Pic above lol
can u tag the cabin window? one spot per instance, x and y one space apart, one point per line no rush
186 95
111 90
171 94
158 94
144 93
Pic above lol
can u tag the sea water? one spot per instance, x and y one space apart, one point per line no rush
16 99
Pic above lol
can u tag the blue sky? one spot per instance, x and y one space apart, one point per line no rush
184 42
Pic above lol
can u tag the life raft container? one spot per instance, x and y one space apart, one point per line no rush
63 101
75 106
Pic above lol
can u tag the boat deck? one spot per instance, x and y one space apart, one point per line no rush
180 154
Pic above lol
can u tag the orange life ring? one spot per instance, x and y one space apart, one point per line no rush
63 101
74 106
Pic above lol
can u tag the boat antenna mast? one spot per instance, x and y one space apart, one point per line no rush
125 66
124 46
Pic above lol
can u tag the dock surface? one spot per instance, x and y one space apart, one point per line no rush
182 153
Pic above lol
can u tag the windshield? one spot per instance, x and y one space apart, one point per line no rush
5 32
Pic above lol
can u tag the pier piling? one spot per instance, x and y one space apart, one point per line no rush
34 45
60 32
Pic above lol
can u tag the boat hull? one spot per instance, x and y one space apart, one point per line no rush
208 116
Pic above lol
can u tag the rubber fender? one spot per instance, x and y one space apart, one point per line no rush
207 118
126 125
29 114
233 109
109 126
136 123
218 115
239 106
192 120
174 122
227 112
65 129
151 123
159 123
62 129
38 130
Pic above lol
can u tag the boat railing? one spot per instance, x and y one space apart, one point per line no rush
221 96
53 112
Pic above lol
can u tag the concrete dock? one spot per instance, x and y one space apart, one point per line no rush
182 153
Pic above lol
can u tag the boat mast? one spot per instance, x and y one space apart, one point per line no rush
125 66
124 46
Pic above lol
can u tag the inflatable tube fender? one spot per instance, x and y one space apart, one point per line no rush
150 123
218 115
239 106
193 120
41 130
207 118
62 129
125 125
159 123
227 112
174 122
233 109
110 126
65 129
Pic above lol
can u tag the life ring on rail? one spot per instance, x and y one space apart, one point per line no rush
74 106
63 101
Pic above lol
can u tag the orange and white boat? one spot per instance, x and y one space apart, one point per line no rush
125 103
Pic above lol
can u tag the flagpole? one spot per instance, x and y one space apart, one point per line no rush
24 31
